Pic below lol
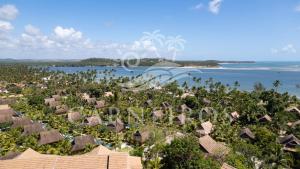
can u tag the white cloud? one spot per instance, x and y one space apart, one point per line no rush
8 12
32 30
214 6
289 48
67 33
5 26
297 8
198 7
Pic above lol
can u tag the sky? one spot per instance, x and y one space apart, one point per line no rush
259 30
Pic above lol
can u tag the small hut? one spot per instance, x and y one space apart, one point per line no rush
247 133
184 108
265 118
80 142
10 155
207 111
166 105
48 137
93 121
10 112
290 141
5 118
234 116
20 122
100 104
206 101
158 114
227 166
116 126
48 100
212 147
56 97
141 137
149 103
33 129
91 101
108 94
180 119
54 104
74 116
61 109
293 109
205 128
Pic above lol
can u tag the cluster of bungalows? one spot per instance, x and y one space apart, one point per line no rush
98 158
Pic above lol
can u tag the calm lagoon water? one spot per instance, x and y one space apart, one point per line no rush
247 74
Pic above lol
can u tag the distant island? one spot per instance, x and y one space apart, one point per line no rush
119 62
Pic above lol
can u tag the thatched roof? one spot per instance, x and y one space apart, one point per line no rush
213 147
21 122
108 94
48 100
98 158
227 166
290 141
180 119
293 109
33 128
141 137
91 101
74 116
247 133
149 102
206 101
207 111
184 95
234 115
54 104
10 155
184 108
52 136
265 118
56 97
166 105
206 127
296 123
171 137
81 141
158 114
93 121
62 109
100 104
5 118
116 126
8 112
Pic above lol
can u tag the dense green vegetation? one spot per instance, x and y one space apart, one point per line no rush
183 152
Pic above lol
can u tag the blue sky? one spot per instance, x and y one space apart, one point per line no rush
208 29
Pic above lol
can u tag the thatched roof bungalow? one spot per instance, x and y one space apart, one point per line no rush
290 141
5 118
247 133
265 118
180 119
34 128
80 142
61 109
212 147
227 166
21 122
100 104
74 116
157 114
93 121
184 108
141 137
48 100
116 126
48 137
205 128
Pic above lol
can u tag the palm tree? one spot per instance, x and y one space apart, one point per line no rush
276 84
175 43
